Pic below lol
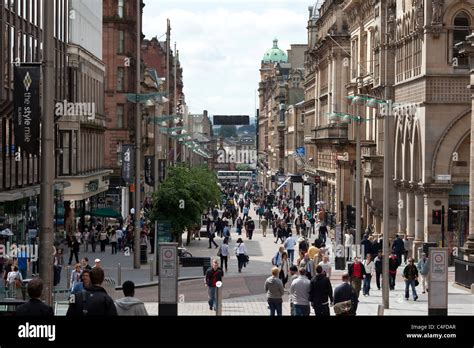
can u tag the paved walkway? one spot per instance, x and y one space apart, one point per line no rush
243 293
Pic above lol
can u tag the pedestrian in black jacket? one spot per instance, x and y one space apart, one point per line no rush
34 307
94 301
346 292
320 293
378 268
398 248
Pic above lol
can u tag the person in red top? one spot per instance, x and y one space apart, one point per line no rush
357 273
213 275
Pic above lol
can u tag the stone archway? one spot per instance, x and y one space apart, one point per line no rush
452 137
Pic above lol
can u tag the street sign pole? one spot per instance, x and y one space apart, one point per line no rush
168 279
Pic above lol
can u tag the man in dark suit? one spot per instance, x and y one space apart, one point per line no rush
346 292
34 307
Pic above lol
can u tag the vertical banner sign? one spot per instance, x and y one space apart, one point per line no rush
27 108
161 170
149 170
128 163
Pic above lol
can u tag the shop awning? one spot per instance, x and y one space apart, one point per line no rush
104 212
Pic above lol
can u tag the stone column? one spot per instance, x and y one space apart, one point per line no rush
419 222
402 211
378 224
468 248
410 214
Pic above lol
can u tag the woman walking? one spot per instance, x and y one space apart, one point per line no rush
369 271
224 253
284 268
274 290
241 253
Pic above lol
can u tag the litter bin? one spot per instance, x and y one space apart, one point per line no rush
143 255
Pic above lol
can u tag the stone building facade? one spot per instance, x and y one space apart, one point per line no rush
404 52
281 86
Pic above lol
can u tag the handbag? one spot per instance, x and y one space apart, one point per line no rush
342 307
417 282
18 283
219 252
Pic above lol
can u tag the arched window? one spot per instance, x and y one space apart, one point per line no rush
460 31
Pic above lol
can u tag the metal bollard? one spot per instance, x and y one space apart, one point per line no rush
68 277
150 262
219 299
119 274
380 310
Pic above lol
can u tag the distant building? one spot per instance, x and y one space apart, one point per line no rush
280 87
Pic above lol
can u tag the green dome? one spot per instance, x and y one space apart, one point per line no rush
275 55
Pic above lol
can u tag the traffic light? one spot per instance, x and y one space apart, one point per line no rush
351 216
436 218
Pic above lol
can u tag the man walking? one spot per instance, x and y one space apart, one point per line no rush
289 246
343 294
34 307
321 293
213 275
423 269
94 301
300 294
129 305
357 274
410 273
398 248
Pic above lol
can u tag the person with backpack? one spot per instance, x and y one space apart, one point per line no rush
93 301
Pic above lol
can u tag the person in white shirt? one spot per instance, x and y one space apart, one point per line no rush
224 253
369 271
119 235
76 275
289 246
241 253
348 241
326 266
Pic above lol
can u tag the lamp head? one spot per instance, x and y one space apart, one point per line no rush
358 100
373 103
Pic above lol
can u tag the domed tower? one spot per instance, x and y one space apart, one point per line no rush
275 55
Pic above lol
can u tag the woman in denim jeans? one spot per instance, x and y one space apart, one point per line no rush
369 271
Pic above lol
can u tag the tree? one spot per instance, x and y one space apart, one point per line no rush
228 131
183 197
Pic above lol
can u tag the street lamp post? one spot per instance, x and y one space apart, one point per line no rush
138 140
47 154
387 111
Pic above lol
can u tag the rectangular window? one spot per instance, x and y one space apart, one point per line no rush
120 79
121 43
120 113
120 8
65 153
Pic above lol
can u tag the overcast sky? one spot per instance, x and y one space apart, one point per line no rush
221 45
